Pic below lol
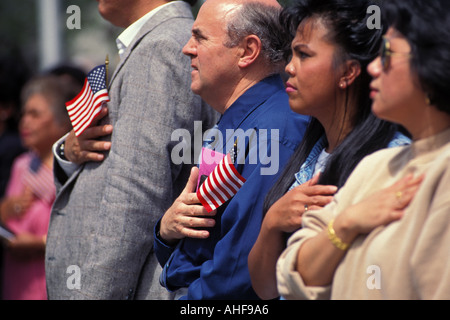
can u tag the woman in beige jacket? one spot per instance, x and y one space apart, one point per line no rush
386 234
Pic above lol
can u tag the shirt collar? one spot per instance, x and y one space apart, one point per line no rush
320 145
249 101
125 38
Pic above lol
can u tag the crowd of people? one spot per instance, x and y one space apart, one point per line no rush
355 120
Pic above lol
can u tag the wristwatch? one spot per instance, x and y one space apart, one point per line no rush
61 153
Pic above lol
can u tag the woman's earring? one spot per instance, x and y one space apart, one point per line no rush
427 99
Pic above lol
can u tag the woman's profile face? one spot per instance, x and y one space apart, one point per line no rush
394 90
38 128
312 82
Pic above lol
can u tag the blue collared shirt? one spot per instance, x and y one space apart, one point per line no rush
216 268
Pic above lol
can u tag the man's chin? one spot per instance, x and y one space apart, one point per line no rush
195 89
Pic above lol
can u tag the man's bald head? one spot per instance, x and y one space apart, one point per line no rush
238 2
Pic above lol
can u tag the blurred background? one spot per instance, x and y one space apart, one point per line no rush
37 30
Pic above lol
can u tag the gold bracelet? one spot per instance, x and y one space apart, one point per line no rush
338 243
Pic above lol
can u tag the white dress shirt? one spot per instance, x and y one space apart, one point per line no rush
127 36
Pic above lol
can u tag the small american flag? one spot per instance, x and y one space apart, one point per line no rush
87 104
39 179
221 185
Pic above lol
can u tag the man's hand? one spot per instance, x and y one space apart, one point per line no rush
186 215
86 147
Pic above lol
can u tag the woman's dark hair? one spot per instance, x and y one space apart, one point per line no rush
426 26
346 21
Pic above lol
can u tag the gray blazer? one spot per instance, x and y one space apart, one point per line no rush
100 239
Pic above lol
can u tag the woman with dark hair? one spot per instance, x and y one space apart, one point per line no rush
386 233
328 80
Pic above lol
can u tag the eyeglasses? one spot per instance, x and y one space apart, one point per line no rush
386 53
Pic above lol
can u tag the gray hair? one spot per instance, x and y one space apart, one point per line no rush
263 21
56 91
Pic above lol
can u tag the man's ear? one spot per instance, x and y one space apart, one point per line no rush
250 50
351 72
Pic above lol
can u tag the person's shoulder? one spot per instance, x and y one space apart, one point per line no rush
444 157
25 157
168 33
399 144
394 156
172 21
23 160
278 111
274 99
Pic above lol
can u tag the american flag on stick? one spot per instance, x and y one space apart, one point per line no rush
87 104
222 184
39 179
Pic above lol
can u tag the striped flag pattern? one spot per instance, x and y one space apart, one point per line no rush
87 104
222 184
40 181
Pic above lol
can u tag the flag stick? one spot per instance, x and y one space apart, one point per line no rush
106 66
235 150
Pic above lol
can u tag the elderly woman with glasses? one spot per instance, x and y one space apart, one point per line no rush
386 233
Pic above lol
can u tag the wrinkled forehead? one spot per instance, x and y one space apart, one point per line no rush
219 8
213 16
211 19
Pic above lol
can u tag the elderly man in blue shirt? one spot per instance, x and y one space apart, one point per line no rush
236 52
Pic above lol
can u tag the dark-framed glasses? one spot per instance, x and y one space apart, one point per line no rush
386 53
